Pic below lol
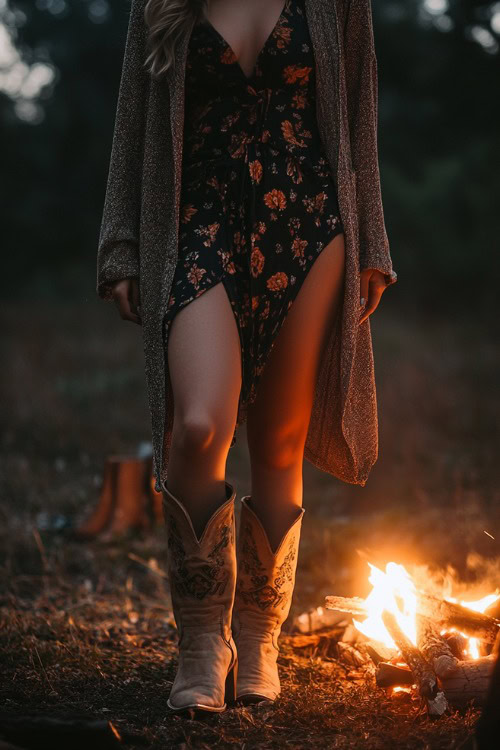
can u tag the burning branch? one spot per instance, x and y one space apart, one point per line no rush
447 614
457 616
435 648
401 617
423 674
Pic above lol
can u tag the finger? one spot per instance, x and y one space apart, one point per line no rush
122 302
374 294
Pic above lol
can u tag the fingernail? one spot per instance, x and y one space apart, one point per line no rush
362 302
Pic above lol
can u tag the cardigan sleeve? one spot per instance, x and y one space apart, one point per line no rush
118 245
362 105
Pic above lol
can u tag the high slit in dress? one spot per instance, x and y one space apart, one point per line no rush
258 202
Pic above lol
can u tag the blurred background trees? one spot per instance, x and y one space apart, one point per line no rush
439 144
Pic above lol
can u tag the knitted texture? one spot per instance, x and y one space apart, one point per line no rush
140 224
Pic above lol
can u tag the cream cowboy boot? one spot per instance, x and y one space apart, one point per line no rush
202 576
263 597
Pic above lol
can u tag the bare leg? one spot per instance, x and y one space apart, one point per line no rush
204 357
278 420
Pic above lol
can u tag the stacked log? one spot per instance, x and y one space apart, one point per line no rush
441 677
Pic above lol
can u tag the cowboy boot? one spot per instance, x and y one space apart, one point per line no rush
202 576
263 597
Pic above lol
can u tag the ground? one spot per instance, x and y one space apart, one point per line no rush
87 629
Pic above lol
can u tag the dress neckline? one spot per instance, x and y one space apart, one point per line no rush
226 44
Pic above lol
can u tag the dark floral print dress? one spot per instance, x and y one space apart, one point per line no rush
258 203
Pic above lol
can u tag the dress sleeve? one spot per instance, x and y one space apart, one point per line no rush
362 104
118 245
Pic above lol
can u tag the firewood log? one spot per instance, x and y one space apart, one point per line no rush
457 644
455 615
468 683
493 610
462 681
434 647
442 612
423 673
354 605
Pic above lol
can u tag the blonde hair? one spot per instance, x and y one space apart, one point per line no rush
167 22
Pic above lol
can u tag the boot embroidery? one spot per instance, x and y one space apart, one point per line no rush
261 591
196 576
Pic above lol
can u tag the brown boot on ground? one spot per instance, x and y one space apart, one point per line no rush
202 576
264 589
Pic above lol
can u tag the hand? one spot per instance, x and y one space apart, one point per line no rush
126 296
372 286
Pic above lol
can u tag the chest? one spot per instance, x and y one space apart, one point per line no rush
220 95
246 27
213 59
324 24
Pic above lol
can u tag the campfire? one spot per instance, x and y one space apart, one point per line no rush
441 648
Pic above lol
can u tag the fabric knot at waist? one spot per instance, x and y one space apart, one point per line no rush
257 107
247 131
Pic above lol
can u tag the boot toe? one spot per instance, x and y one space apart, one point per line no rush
196 699
205 659
258 690
258 675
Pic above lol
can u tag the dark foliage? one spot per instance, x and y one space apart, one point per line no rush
438 137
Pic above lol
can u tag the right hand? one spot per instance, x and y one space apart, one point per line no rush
127 298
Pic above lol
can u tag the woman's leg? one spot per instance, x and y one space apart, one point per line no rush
278 420
204 358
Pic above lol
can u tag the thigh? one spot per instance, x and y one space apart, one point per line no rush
285 393
204 359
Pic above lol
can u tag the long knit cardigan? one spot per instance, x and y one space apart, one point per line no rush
140 223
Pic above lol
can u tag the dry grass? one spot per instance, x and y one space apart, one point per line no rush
87 630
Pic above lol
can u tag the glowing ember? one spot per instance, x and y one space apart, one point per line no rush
395 591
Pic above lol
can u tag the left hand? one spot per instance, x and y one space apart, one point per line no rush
372 286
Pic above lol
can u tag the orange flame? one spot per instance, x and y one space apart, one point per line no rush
395 591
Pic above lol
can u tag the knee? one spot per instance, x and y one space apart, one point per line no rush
278 450
194 433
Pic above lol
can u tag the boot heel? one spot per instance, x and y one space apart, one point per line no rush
230 686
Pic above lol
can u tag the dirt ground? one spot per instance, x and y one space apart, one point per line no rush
86 628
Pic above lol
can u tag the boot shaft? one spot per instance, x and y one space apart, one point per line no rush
202 571
266 578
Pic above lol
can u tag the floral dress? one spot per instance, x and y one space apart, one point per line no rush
258 203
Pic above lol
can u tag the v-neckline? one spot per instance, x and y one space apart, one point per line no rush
251 77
